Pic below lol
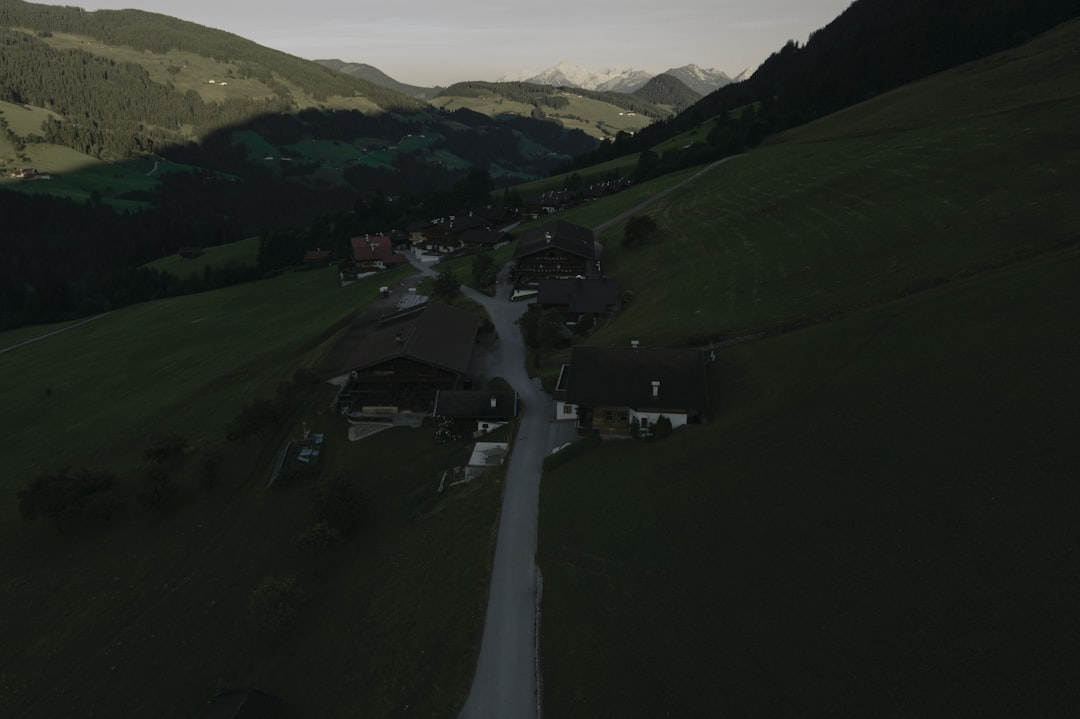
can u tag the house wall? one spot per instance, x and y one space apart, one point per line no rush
565 410
678 419
611 418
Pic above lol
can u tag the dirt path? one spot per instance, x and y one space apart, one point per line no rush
641 206
50 334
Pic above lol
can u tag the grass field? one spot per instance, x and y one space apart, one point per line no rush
243 253
878 522
887 201
878 519
149 617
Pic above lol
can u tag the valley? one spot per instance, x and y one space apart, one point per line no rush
874 516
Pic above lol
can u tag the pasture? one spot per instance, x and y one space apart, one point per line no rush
150 615
878 518
877 521
243 253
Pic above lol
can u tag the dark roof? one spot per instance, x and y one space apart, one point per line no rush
483 237
432 333
474 404
466 223
243 704
594 296
571 238
624 376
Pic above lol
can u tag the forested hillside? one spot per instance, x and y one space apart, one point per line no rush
156 33
872 47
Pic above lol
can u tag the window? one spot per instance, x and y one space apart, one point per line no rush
644 422
609 416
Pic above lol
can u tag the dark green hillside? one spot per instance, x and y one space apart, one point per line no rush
161 34
968 170
870 48
377 76
668 91
878 520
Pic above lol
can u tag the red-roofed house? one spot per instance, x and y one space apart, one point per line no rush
373 253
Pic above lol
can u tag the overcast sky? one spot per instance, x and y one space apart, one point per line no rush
429 42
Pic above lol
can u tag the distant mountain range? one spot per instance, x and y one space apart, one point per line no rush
700 80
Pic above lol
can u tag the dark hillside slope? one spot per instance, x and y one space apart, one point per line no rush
870 48
879 518
668 91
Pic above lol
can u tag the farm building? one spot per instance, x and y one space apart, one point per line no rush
556 249
407 359
608 388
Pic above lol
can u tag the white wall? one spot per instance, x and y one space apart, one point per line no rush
565 410
677 420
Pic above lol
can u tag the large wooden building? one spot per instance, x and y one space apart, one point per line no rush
609 388
555 249
409 356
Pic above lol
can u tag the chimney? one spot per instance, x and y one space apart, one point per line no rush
634 343
493 403
547 237
655 388
398 338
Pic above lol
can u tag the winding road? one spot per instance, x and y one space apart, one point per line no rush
507 674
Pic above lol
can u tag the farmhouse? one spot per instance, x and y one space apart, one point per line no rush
553 250
374 253
483 240
407 359
578 298
476 411
608 388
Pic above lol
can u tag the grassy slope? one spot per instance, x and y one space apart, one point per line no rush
243 253
878 520
150 616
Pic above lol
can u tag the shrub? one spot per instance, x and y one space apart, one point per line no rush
341 506
317 538
274 604
84 498
158 492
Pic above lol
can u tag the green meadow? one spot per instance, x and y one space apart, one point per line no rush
242 253
878 518
150 615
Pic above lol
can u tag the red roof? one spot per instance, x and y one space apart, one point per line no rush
371 248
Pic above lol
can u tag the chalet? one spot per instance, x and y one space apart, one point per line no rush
190 252
608 388
407 359
476 411
372 253
555 249
578 298
483 240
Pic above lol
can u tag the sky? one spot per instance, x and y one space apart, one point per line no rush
435 42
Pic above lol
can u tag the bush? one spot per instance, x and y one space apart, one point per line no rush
341 506
85 498
158 492
317 538
274 604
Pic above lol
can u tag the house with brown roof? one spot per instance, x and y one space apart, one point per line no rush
609 388
372 253
409 357
557 249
